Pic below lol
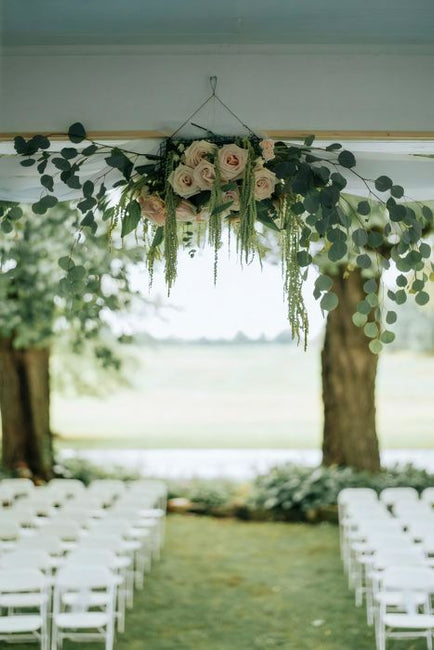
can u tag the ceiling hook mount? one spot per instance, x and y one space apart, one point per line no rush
213 83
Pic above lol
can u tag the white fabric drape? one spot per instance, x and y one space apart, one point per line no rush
413 172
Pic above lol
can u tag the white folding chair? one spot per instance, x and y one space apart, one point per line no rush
18 487
107 489
413 619
393 496
381 560
48 544
66 488
66 530
80 621
116 543
427 496
27 558
23 589
119 565
140 536
9 533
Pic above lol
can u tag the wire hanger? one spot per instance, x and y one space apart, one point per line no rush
213 80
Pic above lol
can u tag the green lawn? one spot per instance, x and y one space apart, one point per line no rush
227 585
245 396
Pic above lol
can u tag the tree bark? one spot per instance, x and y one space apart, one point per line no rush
25 409
348 380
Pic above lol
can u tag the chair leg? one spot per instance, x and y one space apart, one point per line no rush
109 637
381 637
121 608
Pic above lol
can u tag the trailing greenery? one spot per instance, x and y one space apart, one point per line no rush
295 191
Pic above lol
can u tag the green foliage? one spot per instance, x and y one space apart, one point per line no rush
207 494
290 491
53 282
85 471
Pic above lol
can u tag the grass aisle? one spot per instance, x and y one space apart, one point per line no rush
226 585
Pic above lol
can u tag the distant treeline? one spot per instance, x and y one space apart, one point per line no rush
239 339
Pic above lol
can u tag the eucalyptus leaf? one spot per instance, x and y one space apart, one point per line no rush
375 346
347 159
329 301
422 298
131 219
363 208
383 183
76 132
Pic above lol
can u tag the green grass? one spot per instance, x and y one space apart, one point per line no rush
246 396
228 585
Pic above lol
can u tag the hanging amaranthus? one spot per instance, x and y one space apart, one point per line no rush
215 218
246 230
293 281
170 228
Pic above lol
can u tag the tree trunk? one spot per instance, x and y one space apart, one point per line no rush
348 379
25 409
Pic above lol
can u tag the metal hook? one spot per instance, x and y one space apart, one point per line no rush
213 83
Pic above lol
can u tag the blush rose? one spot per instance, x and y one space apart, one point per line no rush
232 161
182 181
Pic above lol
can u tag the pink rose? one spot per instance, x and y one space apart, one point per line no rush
267 147
185 211
204 175
197 151
182 181
265 181
203 215
153 208
232 161
234 196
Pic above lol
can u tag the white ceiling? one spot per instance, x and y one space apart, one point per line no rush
141 22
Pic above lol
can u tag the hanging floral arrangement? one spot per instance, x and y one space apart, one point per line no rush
192 189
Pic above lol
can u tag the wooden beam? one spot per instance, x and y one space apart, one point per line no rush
352 135
92 135
276 134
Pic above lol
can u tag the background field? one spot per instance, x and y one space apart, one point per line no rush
240 396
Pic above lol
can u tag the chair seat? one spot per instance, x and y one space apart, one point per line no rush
130 545
24 623
21 600
398 598
121 562
94 599
409 621
81 620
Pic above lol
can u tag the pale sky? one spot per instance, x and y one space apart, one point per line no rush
247 299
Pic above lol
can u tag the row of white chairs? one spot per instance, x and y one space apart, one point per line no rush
387 548
70 572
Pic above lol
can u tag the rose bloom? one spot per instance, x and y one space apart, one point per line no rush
203 215
204 175
265 181
267 147
232 195
153 208
232 161
182 181
197 151
185 211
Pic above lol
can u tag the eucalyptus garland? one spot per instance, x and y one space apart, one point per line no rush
253 186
